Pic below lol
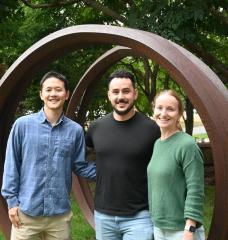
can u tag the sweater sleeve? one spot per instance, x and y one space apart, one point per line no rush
193 167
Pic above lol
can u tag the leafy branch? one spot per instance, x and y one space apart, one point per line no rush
96 5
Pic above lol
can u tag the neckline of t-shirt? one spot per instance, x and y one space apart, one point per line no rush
125 121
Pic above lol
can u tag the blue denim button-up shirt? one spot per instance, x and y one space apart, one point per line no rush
39 163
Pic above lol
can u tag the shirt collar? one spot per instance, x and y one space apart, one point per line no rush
42 117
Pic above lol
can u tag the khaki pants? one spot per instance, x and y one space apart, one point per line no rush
43 228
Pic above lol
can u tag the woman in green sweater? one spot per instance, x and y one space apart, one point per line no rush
175 175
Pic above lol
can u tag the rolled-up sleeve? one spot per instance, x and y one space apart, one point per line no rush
82 167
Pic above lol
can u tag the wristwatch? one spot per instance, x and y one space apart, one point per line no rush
190 228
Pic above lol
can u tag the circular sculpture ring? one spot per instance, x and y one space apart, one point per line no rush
203 87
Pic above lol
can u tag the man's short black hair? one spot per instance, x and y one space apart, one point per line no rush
57 75
121 73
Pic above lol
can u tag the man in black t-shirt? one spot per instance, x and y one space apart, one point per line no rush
123 142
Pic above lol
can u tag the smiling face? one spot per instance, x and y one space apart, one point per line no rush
122 95
53 94
166 112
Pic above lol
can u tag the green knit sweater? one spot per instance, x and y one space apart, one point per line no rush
176 182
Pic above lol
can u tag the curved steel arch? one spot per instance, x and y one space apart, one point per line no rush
198 81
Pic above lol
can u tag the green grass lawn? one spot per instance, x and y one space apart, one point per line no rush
81 230
208 206
200 135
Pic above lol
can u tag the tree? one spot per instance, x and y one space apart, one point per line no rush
200 26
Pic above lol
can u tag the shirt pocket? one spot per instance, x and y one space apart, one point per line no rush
64 147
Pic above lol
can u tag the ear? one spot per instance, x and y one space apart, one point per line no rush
108 93
136 94
67 94
41 97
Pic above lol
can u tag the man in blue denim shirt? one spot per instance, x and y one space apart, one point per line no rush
42 151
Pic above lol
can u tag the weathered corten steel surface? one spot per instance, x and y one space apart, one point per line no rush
203 87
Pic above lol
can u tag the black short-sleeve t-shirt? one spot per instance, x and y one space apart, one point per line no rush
123 150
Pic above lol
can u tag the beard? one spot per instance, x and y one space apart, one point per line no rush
124 112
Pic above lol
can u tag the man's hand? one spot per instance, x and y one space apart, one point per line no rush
13 216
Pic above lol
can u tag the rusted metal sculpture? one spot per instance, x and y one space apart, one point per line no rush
203 87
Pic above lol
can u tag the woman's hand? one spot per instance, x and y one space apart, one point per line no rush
188 235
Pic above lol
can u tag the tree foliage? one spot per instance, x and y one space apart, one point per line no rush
201 26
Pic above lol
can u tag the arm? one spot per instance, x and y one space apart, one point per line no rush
194 176
11 175
82 167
